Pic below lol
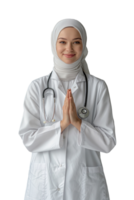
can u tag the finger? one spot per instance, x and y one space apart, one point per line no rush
71 106
70 99
67 98
67 94
71 96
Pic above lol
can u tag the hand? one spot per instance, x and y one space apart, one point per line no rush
65 108
72 110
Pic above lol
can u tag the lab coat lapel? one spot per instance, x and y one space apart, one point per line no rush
80 77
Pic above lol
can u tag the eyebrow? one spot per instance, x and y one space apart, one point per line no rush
66 39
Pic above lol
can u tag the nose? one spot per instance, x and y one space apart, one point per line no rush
69 46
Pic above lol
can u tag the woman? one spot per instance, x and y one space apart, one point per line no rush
65 162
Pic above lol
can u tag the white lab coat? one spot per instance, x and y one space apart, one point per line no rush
67 166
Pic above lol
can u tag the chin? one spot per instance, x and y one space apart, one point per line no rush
69 61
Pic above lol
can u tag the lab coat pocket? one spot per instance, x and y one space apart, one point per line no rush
94 184
37 181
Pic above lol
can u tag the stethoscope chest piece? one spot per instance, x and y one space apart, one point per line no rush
83 112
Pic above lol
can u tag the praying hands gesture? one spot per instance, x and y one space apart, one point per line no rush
69 112
72 109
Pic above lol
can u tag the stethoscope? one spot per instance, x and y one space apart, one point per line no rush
83 111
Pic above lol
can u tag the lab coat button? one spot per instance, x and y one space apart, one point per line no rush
58 189
64 136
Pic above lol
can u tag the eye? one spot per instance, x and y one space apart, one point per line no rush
77 42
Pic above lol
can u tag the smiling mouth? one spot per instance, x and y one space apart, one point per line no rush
69 55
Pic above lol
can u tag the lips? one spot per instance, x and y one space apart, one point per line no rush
69 55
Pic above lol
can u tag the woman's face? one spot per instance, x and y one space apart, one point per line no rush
69 41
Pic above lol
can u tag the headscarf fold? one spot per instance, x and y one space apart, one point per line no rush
69 71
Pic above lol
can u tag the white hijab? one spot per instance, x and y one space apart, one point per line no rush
66 71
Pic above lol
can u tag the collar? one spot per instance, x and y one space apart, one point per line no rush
79 78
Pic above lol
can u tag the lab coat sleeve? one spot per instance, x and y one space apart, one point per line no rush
99 136
34 137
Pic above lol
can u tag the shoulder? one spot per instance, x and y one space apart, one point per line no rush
35 86
40 79
38 82
97 84
96 80
34 89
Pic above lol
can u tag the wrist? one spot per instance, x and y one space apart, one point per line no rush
78 124
63 125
